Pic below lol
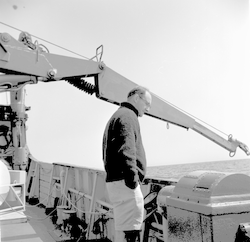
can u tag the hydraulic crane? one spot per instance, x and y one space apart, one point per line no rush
23 62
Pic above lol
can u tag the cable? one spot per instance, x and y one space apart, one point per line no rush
85 212
191 115
31 206
46 41
90 59
89 212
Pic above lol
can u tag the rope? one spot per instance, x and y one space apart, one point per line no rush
46 41
86 212
31 206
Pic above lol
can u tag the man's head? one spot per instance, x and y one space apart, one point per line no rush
141 99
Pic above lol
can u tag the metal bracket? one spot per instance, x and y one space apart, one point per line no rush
6 57
238 143
98 53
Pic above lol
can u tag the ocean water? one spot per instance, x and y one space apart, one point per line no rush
177 171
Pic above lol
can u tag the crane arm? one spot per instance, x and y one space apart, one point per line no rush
30 61
231 144
113 87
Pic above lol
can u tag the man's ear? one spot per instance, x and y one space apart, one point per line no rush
136 97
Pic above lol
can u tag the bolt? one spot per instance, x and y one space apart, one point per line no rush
52 73
102 66
5 37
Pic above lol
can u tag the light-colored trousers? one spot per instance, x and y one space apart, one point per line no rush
128 207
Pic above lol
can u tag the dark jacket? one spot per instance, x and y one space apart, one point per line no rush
123 152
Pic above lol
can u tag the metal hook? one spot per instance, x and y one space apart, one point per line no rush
232 153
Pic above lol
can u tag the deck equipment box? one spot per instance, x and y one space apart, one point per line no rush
205 206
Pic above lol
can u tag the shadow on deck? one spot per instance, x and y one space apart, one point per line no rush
33 225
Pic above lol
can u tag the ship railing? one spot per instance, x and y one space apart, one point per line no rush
81 191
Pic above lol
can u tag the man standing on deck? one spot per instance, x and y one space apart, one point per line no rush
125 164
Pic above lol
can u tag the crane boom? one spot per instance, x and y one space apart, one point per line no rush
23 62
113 87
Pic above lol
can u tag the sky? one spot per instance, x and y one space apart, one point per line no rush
194 54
